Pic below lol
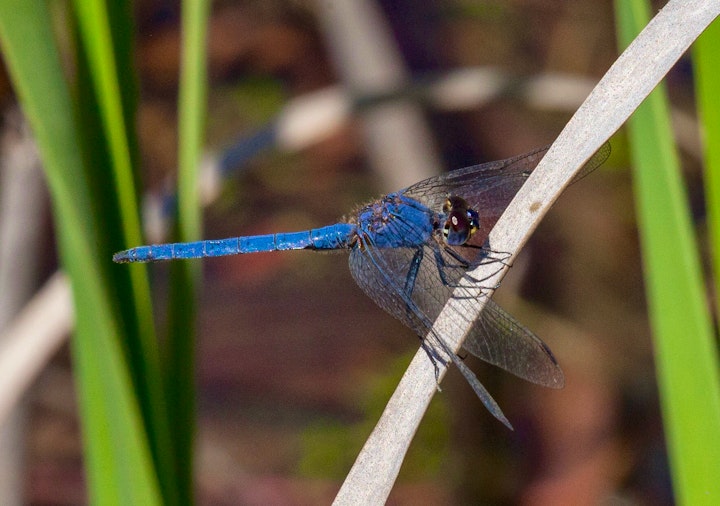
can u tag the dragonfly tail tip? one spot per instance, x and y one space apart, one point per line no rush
121 257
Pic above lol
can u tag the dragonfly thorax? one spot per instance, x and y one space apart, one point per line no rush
395 221
461 221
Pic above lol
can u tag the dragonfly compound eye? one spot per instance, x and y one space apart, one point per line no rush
460 225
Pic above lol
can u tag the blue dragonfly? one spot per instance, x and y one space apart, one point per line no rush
410 249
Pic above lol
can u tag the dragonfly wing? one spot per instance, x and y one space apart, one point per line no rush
489 187
382 275
496 337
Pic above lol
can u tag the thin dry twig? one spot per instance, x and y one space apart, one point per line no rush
32 338
22 204
628 82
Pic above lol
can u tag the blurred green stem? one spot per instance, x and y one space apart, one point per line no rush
180 366
686 352
707 72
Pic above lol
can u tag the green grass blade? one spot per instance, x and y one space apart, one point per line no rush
107 96
707 72
686 351
119 467
185 275
95 31
121 16
191 114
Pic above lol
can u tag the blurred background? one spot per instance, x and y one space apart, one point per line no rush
314 111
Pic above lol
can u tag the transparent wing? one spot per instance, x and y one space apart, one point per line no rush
382 275
489 187
495 336
493 183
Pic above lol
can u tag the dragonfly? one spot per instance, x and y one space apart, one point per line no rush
410 252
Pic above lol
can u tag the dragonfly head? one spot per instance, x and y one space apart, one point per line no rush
461 221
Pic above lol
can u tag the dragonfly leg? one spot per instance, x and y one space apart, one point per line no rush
463 264
413 272
434 357
492 256
441 265
410 283
434 352
409 309
430 350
